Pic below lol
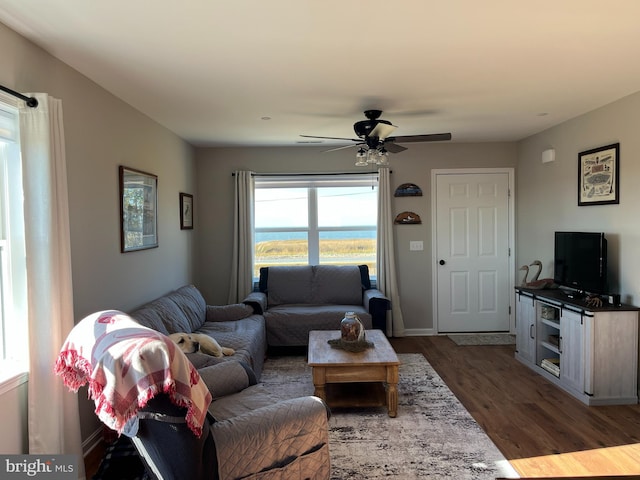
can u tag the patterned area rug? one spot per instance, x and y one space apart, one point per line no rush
433 435
484 339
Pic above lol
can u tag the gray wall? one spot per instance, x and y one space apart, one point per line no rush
215 207
547 194
102 132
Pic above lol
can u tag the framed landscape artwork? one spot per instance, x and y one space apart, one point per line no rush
186 211
138 210
599 176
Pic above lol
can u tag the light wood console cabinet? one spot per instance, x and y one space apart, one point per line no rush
592 353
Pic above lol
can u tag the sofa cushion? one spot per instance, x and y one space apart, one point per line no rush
227 378
150 317
167 313
228 313
289 325
336 284
246 336
290 285
191 302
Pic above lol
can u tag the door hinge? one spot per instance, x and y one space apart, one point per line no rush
509 309
509 251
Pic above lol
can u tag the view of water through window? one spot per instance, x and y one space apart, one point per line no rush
315 225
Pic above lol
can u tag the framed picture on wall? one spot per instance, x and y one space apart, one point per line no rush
599 176
186 211
138 210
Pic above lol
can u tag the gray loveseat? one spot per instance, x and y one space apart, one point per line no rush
297 299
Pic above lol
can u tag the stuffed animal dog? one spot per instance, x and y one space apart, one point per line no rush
199 342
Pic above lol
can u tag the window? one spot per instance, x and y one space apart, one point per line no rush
13 289
316 219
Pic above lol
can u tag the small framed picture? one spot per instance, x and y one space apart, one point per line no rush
186 211
599 176
138 210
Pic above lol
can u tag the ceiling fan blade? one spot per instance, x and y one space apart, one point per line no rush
433 137
340 148
334 138
393 148
382 130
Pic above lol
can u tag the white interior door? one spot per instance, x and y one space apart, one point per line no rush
472 252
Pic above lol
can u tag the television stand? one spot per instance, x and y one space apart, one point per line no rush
590 352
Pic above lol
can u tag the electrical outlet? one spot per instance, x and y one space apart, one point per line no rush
416 245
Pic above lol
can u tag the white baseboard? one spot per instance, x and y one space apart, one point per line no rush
419 332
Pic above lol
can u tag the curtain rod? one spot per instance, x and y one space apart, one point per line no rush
233 174
31 101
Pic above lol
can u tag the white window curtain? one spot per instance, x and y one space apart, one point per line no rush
54 421
241 282
387 282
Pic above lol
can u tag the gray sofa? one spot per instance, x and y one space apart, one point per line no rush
250 432
297 299
235 326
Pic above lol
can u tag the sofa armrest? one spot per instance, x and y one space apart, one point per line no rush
228 313
257 301
290 436
226 378
377 305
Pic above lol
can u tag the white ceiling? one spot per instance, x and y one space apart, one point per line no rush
210 70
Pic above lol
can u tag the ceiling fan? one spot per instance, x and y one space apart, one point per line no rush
375 141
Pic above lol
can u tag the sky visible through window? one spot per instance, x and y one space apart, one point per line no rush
337 207
320 225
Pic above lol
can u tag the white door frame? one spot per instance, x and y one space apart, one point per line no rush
511 231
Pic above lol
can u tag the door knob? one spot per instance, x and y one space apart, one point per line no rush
442 262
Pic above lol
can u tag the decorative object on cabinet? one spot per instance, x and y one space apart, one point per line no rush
407 218
539 283
599 176
525 269
186 211
549 313
593 301
138 210
408 190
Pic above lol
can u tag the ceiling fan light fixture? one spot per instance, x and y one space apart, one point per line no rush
361 158
383 157
373 134
372 156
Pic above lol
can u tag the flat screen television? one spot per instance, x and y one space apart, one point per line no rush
580 261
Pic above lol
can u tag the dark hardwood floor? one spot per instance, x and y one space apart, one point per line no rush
541 430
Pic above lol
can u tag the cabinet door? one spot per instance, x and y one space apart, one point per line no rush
572 350
525 327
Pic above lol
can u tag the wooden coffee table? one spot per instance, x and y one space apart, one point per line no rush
343 378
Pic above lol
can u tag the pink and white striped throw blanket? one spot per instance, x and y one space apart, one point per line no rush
126 365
